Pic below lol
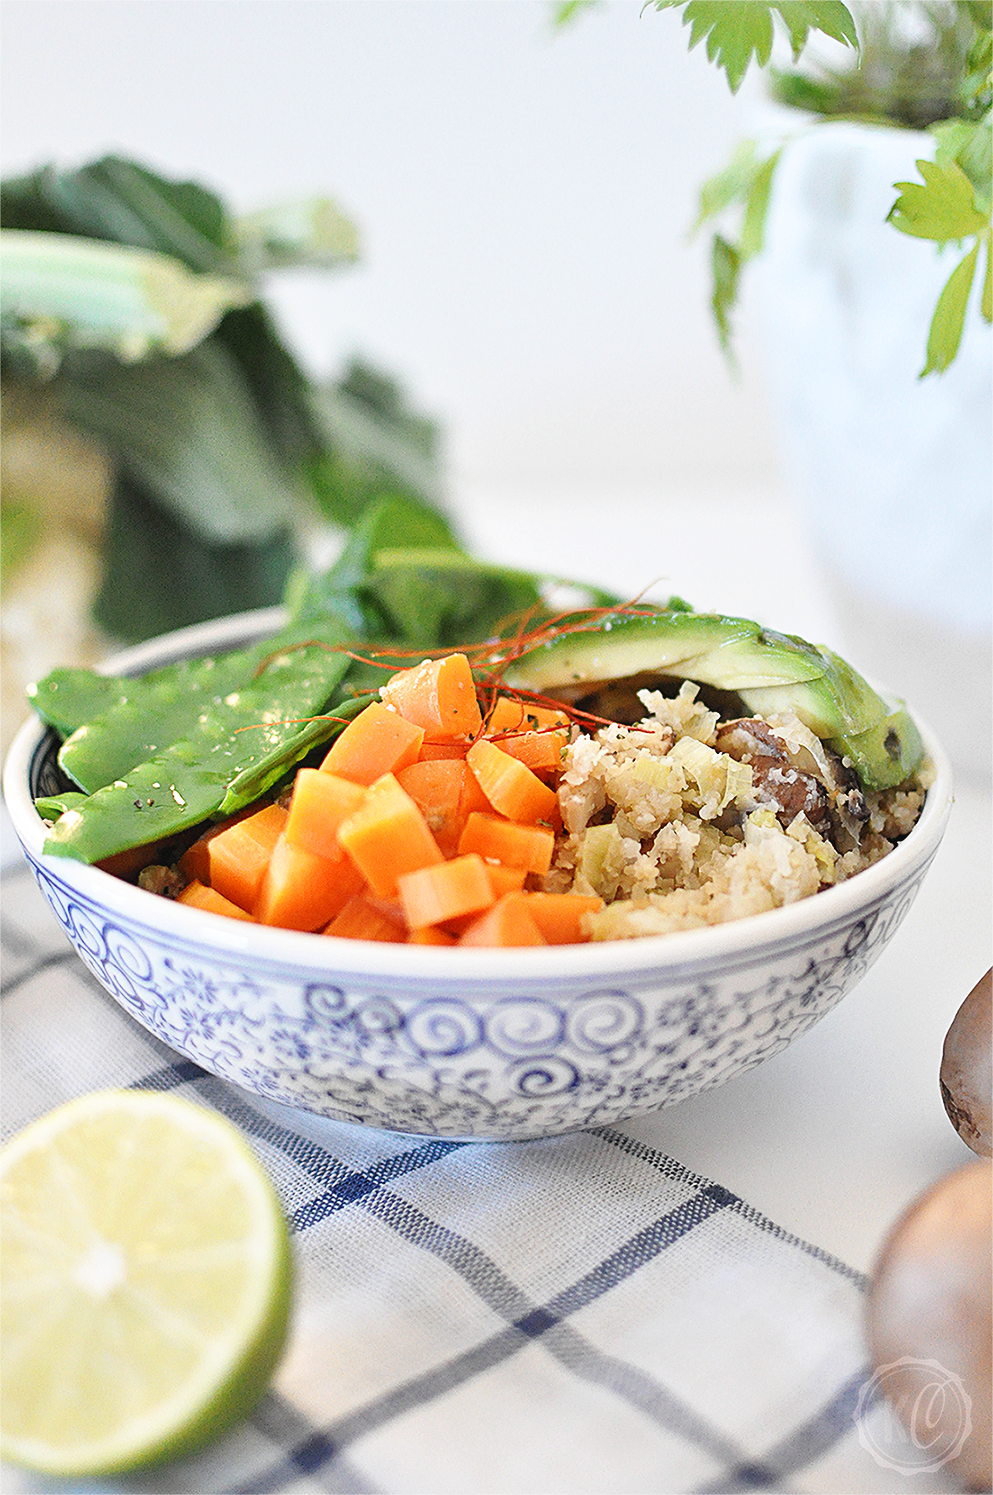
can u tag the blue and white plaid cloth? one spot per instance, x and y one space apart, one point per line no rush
580 1314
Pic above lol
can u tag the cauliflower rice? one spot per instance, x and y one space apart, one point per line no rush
683 820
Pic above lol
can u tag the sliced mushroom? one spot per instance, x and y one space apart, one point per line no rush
777 781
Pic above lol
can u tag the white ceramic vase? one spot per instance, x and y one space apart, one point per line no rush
892 472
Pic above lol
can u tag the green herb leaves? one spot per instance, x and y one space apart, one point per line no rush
942 208
947 207
740 31
742 188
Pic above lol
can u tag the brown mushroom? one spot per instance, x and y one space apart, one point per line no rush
967 1068
930 1321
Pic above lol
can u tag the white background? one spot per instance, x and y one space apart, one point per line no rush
524 198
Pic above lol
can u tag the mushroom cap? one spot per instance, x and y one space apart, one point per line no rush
967 1068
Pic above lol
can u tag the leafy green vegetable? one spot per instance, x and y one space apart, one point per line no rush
187 430
20 531
373 445
158 570
60 292
223 451
340 590
315 232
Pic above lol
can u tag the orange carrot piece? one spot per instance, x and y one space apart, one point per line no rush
438 695
387 835
559 916
527 846
320 802
197 895
364 918
454 747
238 855
195 861
504 879
511 788
433 895
437 787
508 922
431 935
509 715
301 890
375 742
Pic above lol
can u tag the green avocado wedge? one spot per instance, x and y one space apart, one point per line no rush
770 671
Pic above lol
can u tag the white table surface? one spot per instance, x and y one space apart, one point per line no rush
835 1136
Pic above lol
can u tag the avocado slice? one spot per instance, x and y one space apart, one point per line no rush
770 672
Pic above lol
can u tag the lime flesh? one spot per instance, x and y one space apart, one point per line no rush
145 1283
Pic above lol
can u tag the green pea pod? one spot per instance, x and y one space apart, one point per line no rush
250 738
157 709
68 697
51 806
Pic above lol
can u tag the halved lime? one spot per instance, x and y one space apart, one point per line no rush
145 1283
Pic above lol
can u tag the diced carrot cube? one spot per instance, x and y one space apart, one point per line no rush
301 890
559 916
387 835
433 895
438 695
431 935
508 922
194 864
454 747
504 879
511 788
197 895
534 735
527 846
364 918
473 797
509 715
437 787
238 855
377 741
320 802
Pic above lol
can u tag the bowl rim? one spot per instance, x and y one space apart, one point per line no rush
719 944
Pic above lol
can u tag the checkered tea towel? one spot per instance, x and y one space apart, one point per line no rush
579 1314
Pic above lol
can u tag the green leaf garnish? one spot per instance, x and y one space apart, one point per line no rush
740 31
949 315
941 208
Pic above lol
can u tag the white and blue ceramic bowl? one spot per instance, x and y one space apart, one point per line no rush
453 1042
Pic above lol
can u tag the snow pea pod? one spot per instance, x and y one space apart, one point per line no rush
154 710
248 738
68 697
